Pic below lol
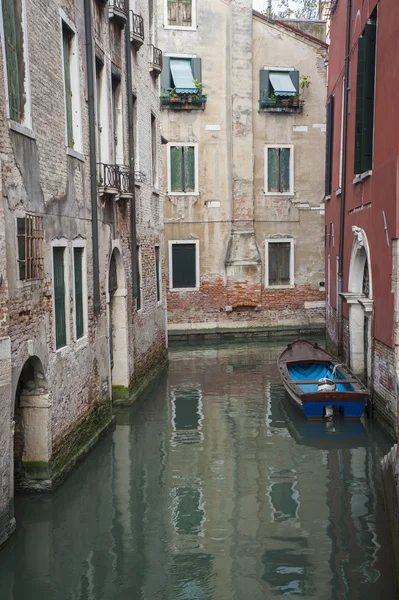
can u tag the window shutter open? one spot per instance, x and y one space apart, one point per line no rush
59 297
166 76
196 68
66 39
157 273
273 169
78 268
189 169
264 84
294 75
176 169
10 38
368 97
329 145
284 169
184 265
279 263
359 103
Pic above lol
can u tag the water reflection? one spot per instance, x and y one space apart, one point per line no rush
214 488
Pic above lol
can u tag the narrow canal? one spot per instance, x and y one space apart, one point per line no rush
213 488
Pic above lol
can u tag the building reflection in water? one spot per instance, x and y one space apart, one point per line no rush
212 488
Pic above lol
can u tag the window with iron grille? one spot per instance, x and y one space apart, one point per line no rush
78 262
30 241
279 261
59 296
278 170
180 13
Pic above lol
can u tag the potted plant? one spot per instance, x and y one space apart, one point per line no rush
164 98
173 95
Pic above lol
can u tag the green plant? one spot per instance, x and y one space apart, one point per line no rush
172 92
304 83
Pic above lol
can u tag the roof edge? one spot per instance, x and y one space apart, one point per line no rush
270 21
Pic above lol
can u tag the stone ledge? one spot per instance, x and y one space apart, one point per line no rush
242 332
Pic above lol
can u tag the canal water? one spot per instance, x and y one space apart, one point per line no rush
211 488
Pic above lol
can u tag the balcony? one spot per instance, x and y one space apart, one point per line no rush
156 61
118 10
281 105
184 101
136 30
115 180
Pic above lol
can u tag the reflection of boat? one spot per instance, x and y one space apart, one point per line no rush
326 434
319 384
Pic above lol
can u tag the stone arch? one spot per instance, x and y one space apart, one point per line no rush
118 326
360 298
32 418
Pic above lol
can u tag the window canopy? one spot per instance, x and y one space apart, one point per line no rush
182 76
282 84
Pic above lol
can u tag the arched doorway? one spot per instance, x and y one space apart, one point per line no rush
32 434
360 306
118 339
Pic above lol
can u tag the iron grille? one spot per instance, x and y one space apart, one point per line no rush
109 176
122 5
126 180
137 26
30 238
156 57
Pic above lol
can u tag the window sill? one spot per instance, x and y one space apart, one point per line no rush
63 350
327 198
279 194
156 192
81 342
22 283
186 194
180 28
280 287
362 176
338 192
190 289
18 128
75 154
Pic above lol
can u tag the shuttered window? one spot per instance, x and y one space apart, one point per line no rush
365 99
154 154
139 291
158 273
78 275
279 270
180 13
59 296
329 145
167 81
67 36
184 265
278 170
182 169
12 39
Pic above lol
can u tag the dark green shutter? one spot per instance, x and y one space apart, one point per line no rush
196 68
176 168
294 75
368 98
21 233
59 297
279 263
273 170
329 145
10 38
138 298
284 169
189 168
264 84
157 273
66 39
166 76
78 268
184 265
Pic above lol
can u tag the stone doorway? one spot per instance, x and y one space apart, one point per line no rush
118 339
32 417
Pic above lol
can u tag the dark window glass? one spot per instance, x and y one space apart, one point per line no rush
184 266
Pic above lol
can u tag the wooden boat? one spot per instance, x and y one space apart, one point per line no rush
319 384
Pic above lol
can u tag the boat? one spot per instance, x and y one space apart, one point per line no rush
319 384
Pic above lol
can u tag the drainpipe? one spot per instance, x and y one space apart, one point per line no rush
93 166
343 182
133 224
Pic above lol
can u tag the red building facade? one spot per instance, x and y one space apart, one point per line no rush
361 223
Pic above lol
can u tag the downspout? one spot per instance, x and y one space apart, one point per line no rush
93 166
343 182
133 224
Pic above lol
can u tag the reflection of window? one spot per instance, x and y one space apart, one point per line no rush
186 409
275 420
188 514
283 498
287 571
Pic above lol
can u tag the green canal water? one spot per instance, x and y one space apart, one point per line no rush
211 488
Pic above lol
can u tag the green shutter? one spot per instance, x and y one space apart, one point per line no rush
196 68
138 297
279 263
78 268
21 233
368 98
184 265
66 40
10 38
59 297
273 170
329 145
176 169
264 85
166 76
361 66
189 168
294 75
157 273
284 169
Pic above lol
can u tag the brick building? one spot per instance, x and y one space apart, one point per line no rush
243 168
82 298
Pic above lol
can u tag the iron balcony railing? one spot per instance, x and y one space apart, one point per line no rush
118 9
156 60
126 180
136 29
114 179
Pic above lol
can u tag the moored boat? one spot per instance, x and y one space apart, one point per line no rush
319 384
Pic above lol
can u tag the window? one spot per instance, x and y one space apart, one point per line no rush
136 133
329 145
183 75
117 124
70 56
59 290
154 152
16 59
183 264
79 268
279 262
30 240
139 299
158 273
365 99
182 169
99 86
180 13
279 88
279 175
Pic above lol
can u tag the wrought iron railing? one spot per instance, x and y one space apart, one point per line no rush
116 177
122 5
126 180
156 58
282 104
137 26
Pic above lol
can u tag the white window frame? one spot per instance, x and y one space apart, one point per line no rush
193 26
292 262
159 302
77 150
168 163
25 127
266 182
329 279
62 243
197 266
80 243
154 152
117 125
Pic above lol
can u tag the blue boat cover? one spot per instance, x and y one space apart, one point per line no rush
314 372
